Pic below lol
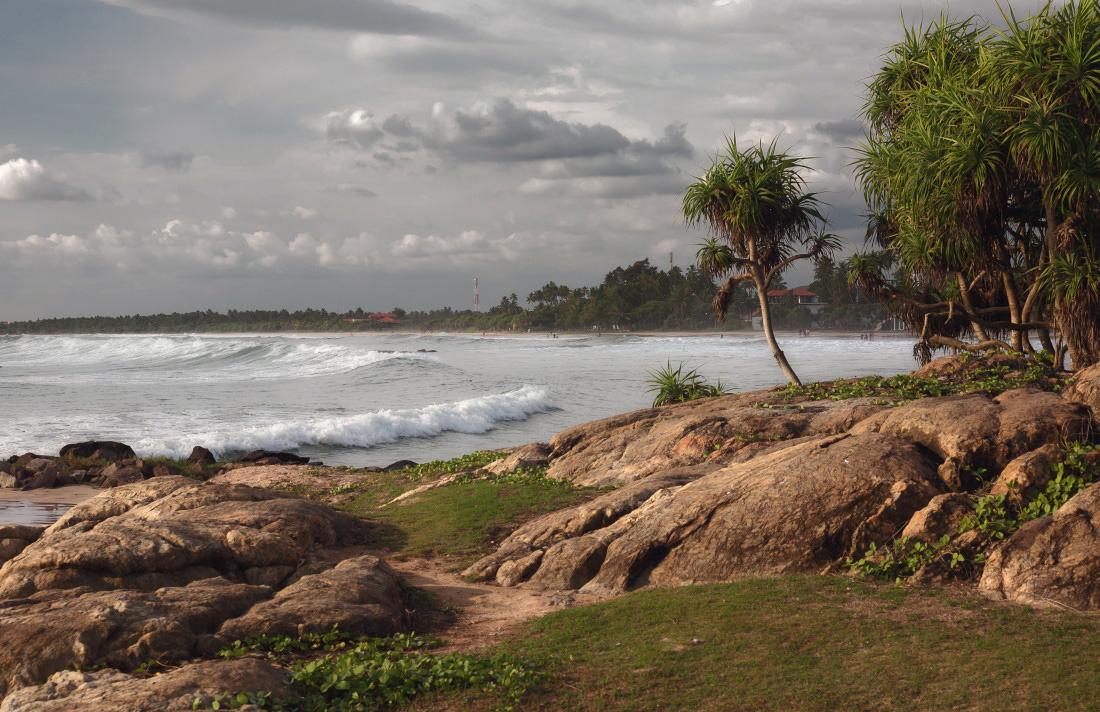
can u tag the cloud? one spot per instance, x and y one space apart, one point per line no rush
351 189
838 132
21 179
372 16
300 213
496 130
355 127
174 161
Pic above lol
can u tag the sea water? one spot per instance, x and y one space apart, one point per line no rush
372 399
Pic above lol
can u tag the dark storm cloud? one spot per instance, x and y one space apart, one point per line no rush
499 131
373 16
839 132
175 161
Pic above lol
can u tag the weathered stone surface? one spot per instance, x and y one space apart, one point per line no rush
170 531
1085 389
973 430
1028 473
635 445
44 477
8 481
533 455
941 516
172 691
361 595
281 458
100 449
792 509
1053 560
56 630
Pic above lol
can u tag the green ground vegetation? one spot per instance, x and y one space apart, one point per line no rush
804 644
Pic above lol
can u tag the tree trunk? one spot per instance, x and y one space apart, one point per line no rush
964 296
766 322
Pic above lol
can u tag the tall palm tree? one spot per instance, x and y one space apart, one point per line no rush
761 221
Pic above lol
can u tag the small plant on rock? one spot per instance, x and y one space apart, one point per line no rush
675 386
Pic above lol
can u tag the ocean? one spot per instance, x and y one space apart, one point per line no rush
372 399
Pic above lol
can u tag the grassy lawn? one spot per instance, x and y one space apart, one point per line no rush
806 643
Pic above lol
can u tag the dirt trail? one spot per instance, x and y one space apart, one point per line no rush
487 614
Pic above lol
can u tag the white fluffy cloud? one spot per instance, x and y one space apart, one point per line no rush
21 179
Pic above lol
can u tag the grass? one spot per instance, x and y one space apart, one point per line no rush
801 644
461 521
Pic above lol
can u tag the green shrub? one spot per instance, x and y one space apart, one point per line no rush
675 386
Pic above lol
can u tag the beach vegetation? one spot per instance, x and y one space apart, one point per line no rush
753 202
981 169
676 386
334 671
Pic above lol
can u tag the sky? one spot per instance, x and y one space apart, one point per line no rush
178 155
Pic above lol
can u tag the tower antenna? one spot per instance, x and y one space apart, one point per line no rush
477 299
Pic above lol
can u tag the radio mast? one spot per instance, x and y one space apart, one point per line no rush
477 299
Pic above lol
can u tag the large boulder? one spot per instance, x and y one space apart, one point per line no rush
56 630
1085 389
158 569
973 431
194 531
1051 561
172 691
99 450
635 445
788 510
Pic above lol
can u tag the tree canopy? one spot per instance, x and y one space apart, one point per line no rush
981 167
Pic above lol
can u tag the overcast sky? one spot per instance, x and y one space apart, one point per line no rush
171 155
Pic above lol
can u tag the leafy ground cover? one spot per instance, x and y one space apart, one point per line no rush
992 374
804 643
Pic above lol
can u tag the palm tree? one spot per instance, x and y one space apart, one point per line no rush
761 221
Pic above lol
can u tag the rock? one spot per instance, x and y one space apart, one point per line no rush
1028 473
38 464
1085 389
172 691
164 470
360 595
941 516
1051 561
5 467
399 465
45 477
172 531
533 455
975 431
201 456
629 447
116 475
55 630
791 510
99 450
275 458
8 481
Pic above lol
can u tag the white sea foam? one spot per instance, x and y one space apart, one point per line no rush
474 416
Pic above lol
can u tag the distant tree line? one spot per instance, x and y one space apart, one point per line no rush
637 297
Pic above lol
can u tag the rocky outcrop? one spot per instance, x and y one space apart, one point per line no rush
636 445
1028 473
793 509
99 450
533 455
164 568
1051 561
975 431
1085 389
941 516
172 691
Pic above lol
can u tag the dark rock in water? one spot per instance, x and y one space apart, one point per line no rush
99 449
201 456
5 466
399 465
280 458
